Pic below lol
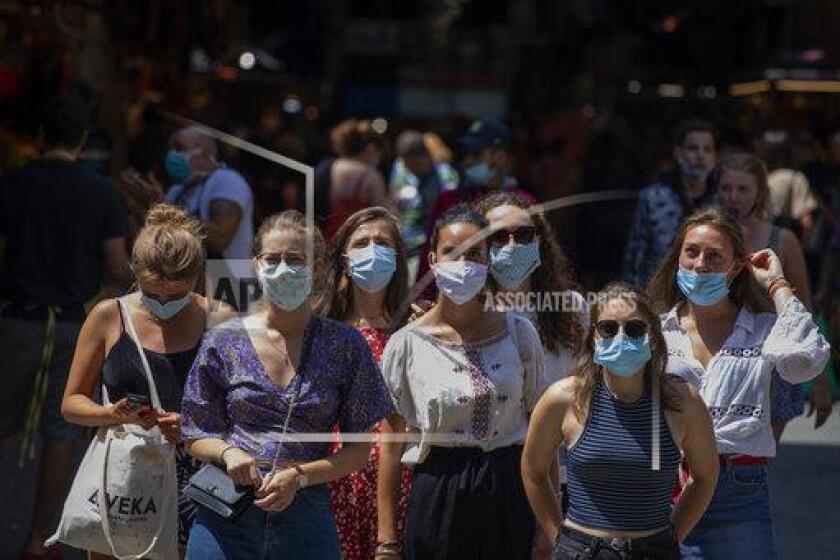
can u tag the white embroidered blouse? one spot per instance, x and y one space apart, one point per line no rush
735 384
476 394
559 364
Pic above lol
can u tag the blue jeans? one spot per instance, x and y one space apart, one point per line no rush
739 521
305 530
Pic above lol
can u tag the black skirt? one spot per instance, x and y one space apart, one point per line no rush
467 503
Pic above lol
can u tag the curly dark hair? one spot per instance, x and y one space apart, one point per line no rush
557 328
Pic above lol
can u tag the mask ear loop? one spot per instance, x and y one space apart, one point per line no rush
655 450
742 261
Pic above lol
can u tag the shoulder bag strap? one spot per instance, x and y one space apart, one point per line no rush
129 323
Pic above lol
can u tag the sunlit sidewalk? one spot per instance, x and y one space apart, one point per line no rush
805 485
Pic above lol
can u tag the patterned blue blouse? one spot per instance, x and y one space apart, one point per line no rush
230 396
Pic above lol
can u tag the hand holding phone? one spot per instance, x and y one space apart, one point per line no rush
137 401
134 409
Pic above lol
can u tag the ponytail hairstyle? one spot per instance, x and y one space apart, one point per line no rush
169 247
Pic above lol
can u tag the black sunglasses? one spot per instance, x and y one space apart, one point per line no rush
522 235
634 328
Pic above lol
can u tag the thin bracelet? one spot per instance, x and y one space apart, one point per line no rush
387 548
222 454
777 285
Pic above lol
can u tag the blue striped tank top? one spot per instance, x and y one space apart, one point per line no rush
609 470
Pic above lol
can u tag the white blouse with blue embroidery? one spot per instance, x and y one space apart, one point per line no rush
476 394
735 384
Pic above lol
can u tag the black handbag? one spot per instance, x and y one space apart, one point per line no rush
215 490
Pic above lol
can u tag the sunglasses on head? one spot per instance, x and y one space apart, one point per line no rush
522 235
634 328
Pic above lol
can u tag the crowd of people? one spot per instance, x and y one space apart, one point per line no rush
422 376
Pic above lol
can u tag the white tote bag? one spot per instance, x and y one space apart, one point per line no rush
129 473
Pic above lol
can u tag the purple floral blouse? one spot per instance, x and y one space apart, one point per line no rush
229 395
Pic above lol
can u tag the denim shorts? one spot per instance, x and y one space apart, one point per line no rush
576 545
738 522
305 530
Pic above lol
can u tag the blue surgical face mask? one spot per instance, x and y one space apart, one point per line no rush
177 164
621 355
703 289
165 311
286 286
460 281
510 264
479 174
371 268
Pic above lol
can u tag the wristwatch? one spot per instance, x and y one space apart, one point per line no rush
302 479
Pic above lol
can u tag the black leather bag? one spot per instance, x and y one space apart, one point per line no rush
215 490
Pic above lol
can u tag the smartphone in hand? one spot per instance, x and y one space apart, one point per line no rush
137 402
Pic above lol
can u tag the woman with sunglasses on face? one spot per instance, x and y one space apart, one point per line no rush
167 259
367 285
625 424
533 277
466 378
281 370
745 195
720 340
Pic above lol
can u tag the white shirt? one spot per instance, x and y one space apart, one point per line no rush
736 382
224 183
559 364
790 194
465 395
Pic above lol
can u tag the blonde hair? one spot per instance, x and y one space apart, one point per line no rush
294 221
169 247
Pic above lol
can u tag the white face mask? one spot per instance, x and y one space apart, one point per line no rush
460 281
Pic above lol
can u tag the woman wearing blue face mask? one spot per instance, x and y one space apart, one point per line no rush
533 277
464 378
720 340
167 260
625 424
282 369
367 288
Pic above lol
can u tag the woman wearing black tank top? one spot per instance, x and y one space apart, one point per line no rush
625 426
167 259
745 196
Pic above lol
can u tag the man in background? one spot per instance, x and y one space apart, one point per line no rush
664 205
215 194
61 239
